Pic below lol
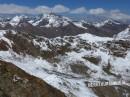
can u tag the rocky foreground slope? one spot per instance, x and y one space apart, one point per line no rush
66 63
14 82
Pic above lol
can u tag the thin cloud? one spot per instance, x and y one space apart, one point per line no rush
81 10
42 9
114 14
60 9
14 9
18 9
97 11
117 14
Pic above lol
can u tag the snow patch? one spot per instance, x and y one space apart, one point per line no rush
15 21
79 24
93 38
124 34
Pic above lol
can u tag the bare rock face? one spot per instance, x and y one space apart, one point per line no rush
118 48
16 83
3 45
112 91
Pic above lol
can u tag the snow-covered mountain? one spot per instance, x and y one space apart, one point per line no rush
108 21
52 25
51 20
69 62
124 34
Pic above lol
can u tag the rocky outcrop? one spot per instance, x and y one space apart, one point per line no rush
112 91
14 82
118 47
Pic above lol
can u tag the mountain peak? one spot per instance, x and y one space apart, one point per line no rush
52 20
108 21
15 20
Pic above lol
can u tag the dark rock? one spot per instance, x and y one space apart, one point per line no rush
3 45
79 68
93 59
14 82
112 91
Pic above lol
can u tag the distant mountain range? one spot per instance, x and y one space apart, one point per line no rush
53 25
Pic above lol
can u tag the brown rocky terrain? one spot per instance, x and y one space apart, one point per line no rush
112 91
14 82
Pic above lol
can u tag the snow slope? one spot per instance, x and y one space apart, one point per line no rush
124 34
105 22
60 74
15 21
53 20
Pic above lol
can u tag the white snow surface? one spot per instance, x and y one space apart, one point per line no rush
79 24
93 38
53 20
2 37
62 77
42 69
15 20
124 34
105 22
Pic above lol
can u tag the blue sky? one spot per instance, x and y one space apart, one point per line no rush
118 9
123 5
